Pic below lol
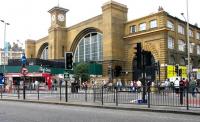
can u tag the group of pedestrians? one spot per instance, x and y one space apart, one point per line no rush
177 86
136 86
181 86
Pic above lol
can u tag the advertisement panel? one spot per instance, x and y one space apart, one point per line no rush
172 75
171 71
184 71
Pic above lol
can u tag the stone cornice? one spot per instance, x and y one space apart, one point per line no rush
145 32
99 17
57 29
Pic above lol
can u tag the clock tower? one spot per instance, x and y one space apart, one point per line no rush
57 33
58 16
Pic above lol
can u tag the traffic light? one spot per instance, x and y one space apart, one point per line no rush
176 68
180 72
148 57
118 70
138 55
68 60
66 75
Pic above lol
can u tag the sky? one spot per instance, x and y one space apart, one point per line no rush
29 19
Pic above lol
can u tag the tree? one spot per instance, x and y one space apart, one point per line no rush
82 71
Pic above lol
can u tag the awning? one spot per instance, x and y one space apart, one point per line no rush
20 75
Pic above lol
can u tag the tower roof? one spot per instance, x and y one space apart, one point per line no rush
58 8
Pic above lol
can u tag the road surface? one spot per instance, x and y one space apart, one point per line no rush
31 112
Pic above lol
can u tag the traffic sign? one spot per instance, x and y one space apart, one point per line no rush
23 59
24 71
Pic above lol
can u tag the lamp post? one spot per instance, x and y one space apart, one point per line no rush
5 24
188 47
188 42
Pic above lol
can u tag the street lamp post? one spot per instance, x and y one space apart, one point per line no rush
5 24
188 46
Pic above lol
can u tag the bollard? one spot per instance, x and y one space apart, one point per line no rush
1 92
18 94
94 94
116 96
86 95
149 90
102 95
60 92
38 90
66 91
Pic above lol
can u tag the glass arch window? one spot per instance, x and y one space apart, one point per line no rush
44 54
89 48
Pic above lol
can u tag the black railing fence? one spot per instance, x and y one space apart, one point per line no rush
154 96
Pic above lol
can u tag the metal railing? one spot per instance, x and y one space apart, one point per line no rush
155 96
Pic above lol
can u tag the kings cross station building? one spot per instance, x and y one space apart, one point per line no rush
113 42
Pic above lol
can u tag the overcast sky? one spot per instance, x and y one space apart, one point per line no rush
29 19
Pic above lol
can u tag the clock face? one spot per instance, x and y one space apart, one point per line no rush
61 17
53 17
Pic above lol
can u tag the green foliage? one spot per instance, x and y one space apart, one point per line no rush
82 70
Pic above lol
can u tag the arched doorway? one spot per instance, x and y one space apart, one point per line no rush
150 71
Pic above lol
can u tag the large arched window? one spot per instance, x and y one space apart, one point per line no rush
44 54
89 48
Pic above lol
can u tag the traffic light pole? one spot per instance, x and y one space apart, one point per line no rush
1 91
24 90
144 77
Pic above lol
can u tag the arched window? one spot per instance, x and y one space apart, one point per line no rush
89 48
44 54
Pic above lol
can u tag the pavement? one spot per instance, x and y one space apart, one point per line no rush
127 107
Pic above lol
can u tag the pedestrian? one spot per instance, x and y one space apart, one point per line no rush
167 85
119 84
185 86
192 86
181 86
36 85
176 86
133 86
139 85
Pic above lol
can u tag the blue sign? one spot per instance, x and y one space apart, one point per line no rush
1 79
23 59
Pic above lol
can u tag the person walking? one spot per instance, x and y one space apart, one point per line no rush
167 85
192 86
139 85
176 86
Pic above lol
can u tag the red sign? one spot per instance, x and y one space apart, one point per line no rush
24 71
